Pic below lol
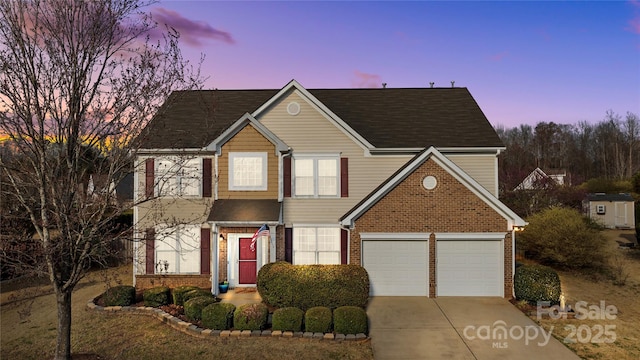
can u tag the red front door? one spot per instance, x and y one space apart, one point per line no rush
247 262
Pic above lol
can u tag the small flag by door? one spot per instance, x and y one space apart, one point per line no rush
263 231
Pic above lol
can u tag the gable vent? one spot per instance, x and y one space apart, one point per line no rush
293 108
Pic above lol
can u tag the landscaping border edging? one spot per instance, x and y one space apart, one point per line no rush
193 330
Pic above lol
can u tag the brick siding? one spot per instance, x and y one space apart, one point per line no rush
172 281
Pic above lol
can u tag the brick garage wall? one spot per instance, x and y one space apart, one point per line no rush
449 207
508 266
172 281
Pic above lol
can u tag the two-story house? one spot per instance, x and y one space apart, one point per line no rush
400 181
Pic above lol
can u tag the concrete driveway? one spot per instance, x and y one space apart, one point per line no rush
457 328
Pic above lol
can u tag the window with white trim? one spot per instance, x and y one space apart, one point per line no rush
178 176
316 176
316 245
178 249
247 171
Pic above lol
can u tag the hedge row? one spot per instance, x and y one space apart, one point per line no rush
201 305
345 319
125 295
283 285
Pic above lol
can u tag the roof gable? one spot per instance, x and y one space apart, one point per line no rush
430 153
246 119
294 86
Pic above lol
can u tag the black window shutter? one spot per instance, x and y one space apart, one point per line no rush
344 177
344 241
205 251
288 245
149 239
206 177
286 165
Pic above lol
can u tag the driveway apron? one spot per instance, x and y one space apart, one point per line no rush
457 328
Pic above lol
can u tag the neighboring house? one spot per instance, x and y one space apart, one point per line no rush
98 185
614 211
400 181
538 178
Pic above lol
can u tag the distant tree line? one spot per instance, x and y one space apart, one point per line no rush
609 149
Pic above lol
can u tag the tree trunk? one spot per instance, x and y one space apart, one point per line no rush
63 344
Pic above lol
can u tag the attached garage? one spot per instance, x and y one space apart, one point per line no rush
397 267
432 230
470 267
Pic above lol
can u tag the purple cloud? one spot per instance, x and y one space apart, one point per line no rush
191 32
364 80
634 23
499 56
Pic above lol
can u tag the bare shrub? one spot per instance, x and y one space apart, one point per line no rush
563 238
619 265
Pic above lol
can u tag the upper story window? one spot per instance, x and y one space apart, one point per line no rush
316 176
247 171
178 176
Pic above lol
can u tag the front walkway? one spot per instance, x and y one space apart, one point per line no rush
457 328
241 296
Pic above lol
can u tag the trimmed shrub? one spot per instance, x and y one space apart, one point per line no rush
350 320
122 295
196 293
179 292
283 285
287 319
156 296
535 283
563 237
193 307
318 319
250 317
218 316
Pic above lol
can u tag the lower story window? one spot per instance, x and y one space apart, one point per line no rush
178 250
316 245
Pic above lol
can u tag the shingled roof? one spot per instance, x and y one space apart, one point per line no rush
386 118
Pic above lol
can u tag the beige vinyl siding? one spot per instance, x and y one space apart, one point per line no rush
481 167
310 132
248 140
173 210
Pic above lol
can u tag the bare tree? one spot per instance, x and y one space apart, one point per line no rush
76 77
606 150
631 127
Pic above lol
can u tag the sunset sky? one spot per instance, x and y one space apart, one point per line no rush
524 62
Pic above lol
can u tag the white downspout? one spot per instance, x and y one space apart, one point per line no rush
214 259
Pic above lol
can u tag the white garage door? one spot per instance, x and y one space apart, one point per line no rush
396 267
469 268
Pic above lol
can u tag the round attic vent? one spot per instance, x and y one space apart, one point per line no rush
293 108
429 182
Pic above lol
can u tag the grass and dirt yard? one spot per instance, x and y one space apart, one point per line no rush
28 331
586 337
